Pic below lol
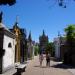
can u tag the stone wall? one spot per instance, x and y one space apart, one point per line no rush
9 57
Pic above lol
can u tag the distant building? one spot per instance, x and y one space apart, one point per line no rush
59 44
30 45
57 47
63 50
7 48
43 41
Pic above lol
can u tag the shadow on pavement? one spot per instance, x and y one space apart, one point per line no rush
62 66
43 67
40 66
37 66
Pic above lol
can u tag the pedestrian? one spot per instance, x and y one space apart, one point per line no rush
48 59
41 58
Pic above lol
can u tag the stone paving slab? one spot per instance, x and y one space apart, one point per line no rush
33 68
72 71
10 71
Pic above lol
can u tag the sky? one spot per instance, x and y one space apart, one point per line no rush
36 15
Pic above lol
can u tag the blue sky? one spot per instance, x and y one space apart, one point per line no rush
36 15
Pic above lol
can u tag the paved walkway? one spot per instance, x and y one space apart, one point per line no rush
56 68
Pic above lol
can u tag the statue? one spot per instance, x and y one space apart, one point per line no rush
1 16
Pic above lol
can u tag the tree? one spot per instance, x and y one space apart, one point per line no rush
61 3
50 48
36 51
9 2
70 32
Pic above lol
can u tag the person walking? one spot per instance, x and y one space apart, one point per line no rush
41 58
48 59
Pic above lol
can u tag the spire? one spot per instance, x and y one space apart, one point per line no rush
16 23
60 37
29 37
43 32
59 34
1 16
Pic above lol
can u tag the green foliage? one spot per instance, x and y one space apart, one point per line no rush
36 50
70 33
9 2
50 48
